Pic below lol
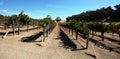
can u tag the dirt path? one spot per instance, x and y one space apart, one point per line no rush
12 48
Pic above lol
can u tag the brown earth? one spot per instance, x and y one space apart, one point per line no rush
12 48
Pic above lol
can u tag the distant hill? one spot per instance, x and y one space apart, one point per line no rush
62 21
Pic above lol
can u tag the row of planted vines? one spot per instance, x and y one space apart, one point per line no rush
48 24
18 23
22 22
90 28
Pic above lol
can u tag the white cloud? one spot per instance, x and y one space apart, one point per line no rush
1 3
8 12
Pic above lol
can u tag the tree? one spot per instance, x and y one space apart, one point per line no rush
117 12
47 24
102 14
100 27
58 19
77 28
24 19
13 20
1 18
112 28
72 25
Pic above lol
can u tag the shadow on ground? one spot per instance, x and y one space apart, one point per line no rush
38 44
32 38
91 55
104 46
110 39
67 43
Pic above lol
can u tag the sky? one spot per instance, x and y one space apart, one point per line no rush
56 8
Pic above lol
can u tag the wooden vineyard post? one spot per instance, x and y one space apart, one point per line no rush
87 39
76 34
18 29
13 27
27 27
87 42
47 27
5 24
92 33
5 35
44 32
69 30
94 51
43 39
72 31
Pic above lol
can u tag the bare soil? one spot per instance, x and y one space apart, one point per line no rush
53 48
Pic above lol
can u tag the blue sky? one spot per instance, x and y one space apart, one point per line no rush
62 8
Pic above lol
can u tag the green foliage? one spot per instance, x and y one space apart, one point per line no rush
78 26
102 14
13 20
112 27
100 27
48 21
23 18
1 17
58 19
84 27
